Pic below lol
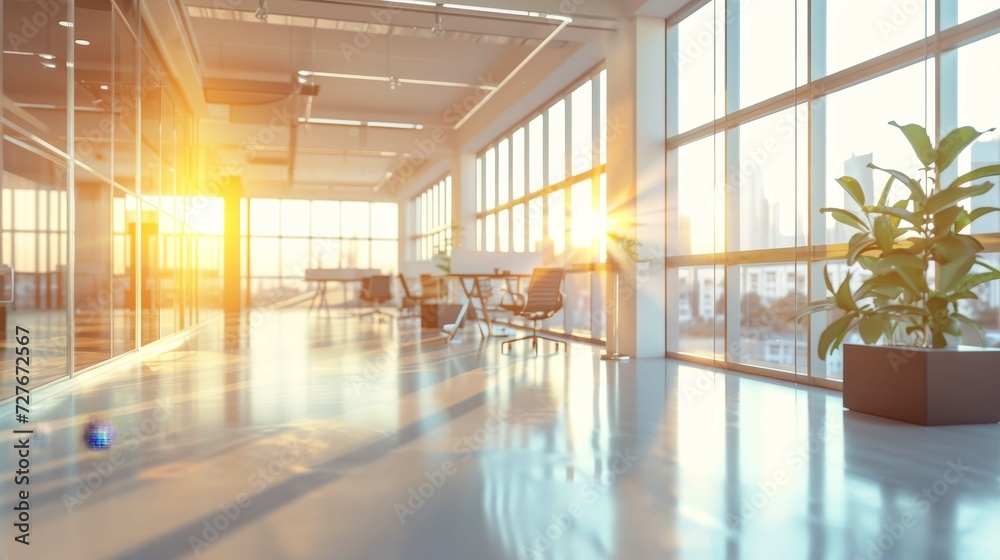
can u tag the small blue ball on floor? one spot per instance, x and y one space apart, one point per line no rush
99 434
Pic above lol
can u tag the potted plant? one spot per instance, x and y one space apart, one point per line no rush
915 262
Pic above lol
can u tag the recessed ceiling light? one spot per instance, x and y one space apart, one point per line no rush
82 42
49 65
66 23
105 87
47 56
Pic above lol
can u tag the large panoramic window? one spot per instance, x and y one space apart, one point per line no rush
558 154
758 134
431 214
287 237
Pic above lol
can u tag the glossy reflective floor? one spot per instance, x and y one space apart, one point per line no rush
297 436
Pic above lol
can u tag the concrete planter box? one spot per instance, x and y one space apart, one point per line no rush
931 387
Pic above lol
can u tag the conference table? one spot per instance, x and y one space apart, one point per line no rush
471 287
342 276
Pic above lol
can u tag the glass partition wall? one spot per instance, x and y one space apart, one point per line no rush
98 186
768 102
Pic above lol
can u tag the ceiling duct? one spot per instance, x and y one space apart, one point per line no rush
249 92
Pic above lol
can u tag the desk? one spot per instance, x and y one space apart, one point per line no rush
343 276
470 287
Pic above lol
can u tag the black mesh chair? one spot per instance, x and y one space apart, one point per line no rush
542 300
376 290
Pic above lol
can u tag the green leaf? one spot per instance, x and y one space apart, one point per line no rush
832 332
919 141
978 173
872 327
972 325
845 217
972 280
953 144
857 248
944 219
826 278
905 310
943 199
910 217
975 215
916 190
844 297
816 307
900 261
956 255
885 234
867 261
885 191
853 188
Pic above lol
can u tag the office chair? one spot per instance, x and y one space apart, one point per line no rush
542 300
376 290
431 288
411 302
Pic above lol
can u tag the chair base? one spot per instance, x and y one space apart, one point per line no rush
534 338
381 315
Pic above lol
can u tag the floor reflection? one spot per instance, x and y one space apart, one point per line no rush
337 438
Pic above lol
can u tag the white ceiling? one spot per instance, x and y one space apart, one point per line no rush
248 68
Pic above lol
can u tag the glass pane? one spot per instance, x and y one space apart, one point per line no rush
977 107
699 310
536 154
517 157
697 170
584 225
694 62
38 258
490 169
503 172
355 219
857 134
385 257
858 30
123 265
955 12
767 183
264 216
125 92
770 296
503 231
557 222
536 216
93 126
295 218
385 222
264 260
557 142
582 103
92 279
767 49
602 130
491 233
518 228
295 258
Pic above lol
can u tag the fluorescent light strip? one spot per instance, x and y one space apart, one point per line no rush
376 124
368 78
414 2
563 22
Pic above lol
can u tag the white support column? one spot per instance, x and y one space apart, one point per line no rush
636 164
